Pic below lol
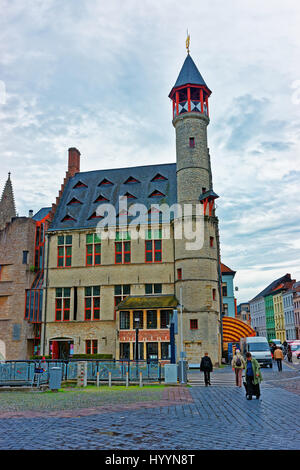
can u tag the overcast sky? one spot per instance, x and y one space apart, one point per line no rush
96 75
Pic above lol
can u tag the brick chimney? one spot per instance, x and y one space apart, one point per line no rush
73 167
74 162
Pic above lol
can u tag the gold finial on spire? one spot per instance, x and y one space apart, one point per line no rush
187 42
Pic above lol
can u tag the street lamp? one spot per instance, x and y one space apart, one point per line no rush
182 352
137 324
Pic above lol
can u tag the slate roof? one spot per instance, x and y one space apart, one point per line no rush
226 270
273 286
209 194
86 195
41 213
189 73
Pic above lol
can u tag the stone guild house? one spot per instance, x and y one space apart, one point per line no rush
101 292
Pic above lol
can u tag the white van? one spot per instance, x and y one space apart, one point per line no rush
259 348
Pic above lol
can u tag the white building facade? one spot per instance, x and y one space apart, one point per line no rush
258 316
289 315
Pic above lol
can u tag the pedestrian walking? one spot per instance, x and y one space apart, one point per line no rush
278 356
206 367
238 364
272 347
285 348
253 377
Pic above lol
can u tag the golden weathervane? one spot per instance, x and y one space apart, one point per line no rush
187 43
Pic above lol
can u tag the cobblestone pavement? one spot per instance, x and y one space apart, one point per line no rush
217 417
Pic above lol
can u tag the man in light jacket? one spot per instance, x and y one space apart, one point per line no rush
278 356
238 364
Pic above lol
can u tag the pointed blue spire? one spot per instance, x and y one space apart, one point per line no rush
189 74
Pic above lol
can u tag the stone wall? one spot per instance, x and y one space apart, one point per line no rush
18 236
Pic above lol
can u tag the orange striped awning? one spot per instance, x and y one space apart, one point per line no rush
234 330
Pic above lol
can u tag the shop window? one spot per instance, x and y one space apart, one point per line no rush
151 319
164 349
124 350
138 319
165 318
124 320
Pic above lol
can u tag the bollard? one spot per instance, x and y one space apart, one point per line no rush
141 379
98 379
82 374
127 381
109 379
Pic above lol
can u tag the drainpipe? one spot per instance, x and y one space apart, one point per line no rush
220 288
44 320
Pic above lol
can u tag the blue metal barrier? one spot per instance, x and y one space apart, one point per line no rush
37 372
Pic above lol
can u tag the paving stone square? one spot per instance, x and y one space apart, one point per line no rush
183 418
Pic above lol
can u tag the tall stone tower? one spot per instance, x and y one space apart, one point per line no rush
197 273
7 204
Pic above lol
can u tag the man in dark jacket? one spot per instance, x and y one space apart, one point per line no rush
206 367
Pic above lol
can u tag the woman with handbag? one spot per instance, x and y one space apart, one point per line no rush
253 377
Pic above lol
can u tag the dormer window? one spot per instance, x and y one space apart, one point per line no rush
156 193
105 182
154 210
159 177
95 216
80 184
74 201
131 179
122 213
101 198
129 196
68 217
